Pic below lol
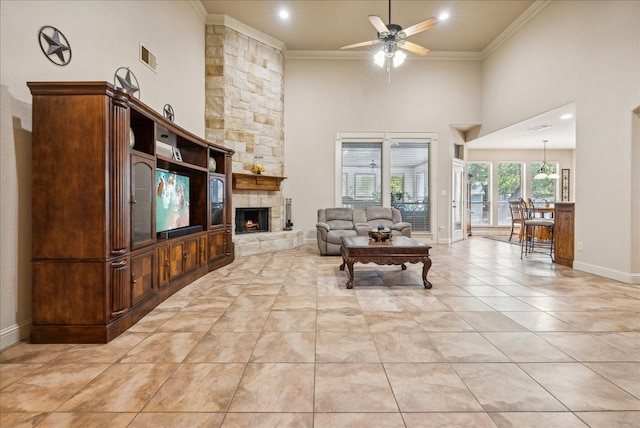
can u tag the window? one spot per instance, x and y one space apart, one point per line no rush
480 195
421 186
361 177
543 190
509 189
397 188
490 192
345 185
404 164
365 187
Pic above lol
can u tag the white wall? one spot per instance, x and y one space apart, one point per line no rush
587 52
103 35
323 97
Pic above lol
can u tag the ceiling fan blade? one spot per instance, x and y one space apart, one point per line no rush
378 23
413 48
358 45
420 26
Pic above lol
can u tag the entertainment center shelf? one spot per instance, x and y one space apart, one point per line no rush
127 209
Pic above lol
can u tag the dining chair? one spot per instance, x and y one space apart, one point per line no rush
517 218
532 232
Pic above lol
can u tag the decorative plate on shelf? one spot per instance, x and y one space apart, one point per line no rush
132 138
212 164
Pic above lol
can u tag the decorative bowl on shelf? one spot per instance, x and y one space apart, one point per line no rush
380 235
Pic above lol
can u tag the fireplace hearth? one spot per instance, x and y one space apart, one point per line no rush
252 220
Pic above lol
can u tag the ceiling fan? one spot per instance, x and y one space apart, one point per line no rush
392 36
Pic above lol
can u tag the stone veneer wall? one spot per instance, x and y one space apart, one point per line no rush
245 110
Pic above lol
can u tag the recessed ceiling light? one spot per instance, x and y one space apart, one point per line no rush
284 14
443 16
566 116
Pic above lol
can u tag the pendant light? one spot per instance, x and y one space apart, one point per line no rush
542 174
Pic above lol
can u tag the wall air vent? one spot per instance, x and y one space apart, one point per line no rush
539 128
148 58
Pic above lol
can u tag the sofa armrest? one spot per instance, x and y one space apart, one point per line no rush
321 225
401 225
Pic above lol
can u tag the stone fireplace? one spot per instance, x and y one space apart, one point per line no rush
244 93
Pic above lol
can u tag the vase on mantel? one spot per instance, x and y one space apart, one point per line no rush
258 168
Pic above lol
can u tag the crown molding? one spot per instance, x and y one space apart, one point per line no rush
532 11
366 55
240 27
200 10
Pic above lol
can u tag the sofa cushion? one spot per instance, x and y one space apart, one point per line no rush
379 213
339 214
339 218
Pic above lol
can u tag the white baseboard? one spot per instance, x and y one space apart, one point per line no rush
627 277
14 334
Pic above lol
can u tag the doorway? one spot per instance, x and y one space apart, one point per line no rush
458 204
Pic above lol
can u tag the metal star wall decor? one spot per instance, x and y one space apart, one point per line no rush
57 48
168 112
125 79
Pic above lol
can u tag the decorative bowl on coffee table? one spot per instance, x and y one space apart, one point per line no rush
380 235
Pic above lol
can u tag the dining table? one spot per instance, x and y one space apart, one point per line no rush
545 211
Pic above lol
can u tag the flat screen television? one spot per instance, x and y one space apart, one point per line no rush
172 201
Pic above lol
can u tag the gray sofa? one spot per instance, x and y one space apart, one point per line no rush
334 223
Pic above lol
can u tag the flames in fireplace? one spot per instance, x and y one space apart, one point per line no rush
250 220
251 225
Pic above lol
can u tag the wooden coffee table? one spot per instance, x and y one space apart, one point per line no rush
398 251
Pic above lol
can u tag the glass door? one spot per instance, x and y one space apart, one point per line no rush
216 200
458 200
142 212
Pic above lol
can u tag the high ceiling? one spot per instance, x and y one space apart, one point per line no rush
325 25
473 28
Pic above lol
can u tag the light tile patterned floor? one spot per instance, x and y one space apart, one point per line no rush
276 340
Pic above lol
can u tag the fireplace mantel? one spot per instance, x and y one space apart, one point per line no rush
256 182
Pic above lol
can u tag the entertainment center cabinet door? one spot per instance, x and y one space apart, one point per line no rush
142 199
142 276
184 256
217 245
164 267
192 254
176 259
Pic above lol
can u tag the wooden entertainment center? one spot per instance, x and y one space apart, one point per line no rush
100 166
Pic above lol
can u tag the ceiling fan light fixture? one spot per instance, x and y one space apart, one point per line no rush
399 58
379 58
393 36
